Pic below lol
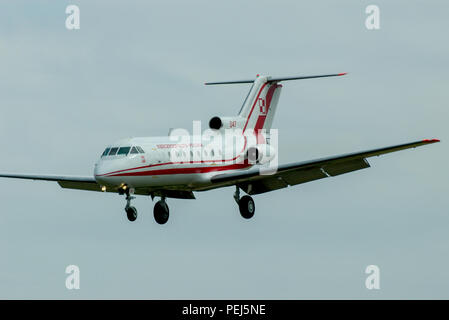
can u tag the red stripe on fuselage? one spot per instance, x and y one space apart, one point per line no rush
182 170
168 163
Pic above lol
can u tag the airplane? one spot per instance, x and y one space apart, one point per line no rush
148 165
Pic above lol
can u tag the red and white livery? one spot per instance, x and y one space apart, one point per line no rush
236 151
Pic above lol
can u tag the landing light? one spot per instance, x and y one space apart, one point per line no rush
103 188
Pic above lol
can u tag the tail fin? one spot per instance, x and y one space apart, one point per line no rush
259 107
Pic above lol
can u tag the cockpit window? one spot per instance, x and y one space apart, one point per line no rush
124 150
113 151
105 153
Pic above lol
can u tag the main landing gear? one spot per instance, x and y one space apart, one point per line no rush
161 211
246 204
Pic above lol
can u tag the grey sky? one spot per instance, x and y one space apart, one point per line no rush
137 69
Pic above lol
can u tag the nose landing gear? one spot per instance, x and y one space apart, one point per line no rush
246 204
131 212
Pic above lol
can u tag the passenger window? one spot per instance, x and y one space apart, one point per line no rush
134 150
124 150
113 151
105 153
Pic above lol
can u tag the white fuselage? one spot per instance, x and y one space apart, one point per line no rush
187 163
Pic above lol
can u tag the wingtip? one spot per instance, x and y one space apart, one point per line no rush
431 140
343 74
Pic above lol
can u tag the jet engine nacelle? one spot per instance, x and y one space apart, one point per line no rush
226 123
260 154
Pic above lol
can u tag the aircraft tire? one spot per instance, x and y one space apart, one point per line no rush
247 207
161 212
131 213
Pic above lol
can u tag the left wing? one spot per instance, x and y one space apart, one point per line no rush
253 182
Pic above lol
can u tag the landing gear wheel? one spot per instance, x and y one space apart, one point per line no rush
161 212
247 207
131 213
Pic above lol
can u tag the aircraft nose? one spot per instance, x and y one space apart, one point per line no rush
96 169
99 171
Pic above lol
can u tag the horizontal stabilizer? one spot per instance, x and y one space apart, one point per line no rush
277 79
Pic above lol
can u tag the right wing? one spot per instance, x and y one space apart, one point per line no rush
253 182
89 184
70 182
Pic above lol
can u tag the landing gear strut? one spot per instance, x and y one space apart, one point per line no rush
246 204
161 211
131 212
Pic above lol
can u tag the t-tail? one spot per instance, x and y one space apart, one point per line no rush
260 105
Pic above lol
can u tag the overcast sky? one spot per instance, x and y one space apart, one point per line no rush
137 68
